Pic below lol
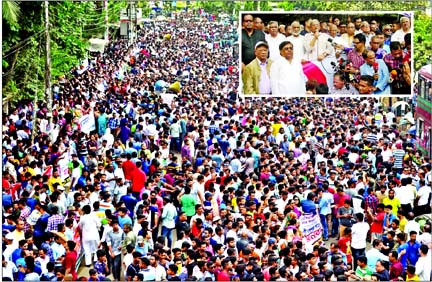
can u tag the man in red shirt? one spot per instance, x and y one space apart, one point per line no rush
396 267
377 222
226 267
138 179
344 244
128 167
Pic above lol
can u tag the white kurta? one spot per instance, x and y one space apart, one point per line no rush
90 235
274 43
287 79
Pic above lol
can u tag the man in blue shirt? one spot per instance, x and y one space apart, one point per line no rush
325 202
413 248
308 205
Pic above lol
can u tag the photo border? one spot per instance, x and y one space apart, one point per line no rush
240 88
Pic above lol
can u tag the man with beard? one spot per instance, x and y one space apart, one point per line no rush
392 201
297 40
224 275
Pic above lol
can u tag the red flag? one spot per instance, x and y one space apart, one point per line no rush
48 171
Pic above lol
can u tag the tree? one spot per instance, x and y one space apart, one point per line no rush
11 12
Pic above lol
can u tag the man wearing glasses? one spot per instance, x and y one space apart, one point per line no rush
286 75
387 31
249 38
356 55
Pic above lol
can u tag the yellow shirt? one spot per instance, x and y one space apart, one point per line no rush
53 180
276 127
402 224
395 203
414 278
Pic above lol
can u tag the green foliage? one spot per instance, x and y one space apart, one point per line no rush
11 12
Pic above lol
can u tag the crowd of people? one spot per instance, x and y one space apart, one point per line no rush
201 186
369 57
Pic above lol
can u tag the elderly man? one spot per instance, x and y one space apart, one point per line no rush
400 33
340 86
297 40
316 43
378 70
348 37
256 77
286 75
274 38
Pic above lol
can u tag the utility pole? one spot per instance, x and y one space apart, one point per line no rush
106 20
48 92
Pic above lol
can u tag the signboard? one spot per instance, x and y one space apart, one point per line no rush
311 228
87 123
63 168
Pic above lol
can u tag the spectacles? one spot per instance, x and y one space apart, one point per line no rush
288 48
248 21
387 29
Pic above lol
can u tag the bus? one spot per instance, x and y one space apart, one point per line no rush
423 111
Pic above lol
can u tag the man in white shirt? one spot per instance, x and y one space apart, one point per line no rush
316 43
274 38
359 233
423 265
286 75
297 40
426 238
400 33
424 195
411 225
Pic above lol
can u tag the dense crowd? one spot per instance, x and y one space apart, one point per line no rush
201 186
367 57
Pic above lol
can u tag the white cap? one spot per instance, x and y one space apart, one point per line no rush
10 236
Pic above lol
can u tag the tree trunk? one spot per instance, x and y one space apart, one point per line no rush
11 71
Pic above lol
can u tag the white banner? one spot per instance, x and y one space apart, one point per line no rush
311 228
87 123
63 168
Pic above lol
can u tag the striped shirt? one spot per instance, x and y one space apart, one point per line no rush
398 154
372 138
24 214
356 59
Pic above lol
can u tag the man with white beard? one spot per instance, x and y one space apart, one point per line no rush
297 40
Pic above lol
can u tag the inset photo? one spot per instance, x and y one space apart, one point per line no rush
292 54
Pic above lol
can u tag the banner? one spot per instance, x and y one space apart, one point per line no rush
87 123
311 228
63 167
